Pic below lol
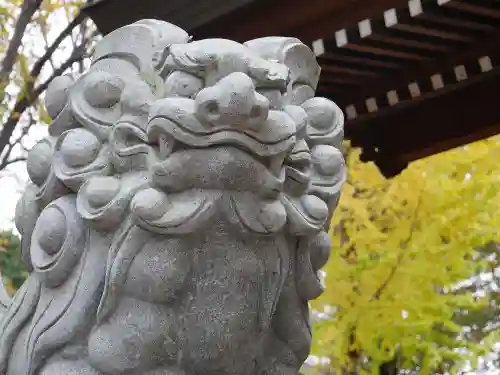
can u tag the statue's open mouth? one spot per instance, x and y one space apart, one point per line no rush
168 146
218 151
219 167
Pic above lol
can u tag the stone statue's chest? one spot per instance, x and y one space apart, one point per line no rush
218 263
212 294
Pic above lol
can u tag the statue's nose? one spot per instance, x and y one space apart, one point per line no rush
232 101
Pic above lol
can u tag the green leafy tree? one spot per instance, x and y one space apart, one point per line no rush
11 265
401 248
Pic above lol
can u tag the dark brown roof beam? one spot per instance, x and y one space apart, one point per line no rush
358 61
447 15
482 8
306 20
348 71
345 14
457 114
408 24
403 27
465 118
395 39
380 86
425 86
334 87
383 50
390 35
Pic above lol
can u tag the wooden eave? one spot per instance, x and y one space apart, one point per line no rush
416 80
241 20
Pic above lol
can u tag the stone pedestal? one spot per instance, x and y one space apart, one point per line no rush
177 213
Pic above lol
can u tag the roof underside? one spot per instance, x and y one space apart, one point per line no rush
412 80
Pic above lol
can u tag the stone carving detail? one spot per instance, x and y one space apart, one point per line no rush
178 211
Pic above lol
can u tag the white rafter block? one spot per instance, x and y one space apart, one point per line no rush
437 81
318 47
371 105
390 17
415 7
460 73
351 113
392 97
341 38
414 89
365 28
485 64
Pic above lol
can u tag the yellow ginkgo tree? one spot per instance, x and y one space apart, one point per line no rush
401 249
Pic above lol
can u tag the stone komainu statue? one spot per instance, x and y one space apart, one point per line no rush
178 210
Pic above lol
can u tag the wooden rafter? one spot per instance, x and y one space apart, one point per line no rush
409 69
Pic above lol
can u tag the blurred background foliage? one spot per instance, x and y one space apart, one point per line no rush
11 265
412 282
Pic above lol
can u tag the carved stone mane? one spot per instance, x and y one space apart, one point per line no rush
177 213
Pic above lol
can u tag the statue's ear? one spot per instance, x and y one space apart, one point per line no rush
139 42
298 57
134 43
302 64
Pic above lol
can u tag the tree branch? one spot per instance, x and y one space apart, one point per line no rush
37 67
6 163
388 279
28 8
83 31
11 145
32 95
77 55
404 244
46 41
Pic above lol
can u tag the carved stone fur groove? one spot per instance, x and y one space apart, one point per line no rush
177 214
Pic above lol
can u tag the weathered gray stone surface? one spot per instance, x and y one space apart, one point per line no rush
177 214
